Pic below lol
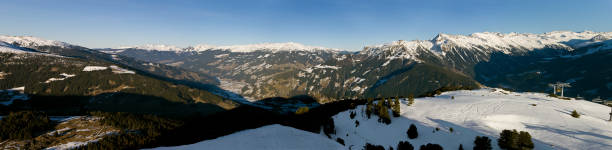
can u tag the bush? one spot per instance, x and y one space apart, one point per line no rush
575 114
339 140
352 115
24 125
412 132
513 140
482 143
301 110
430 146
460 146
369 146
356 123
451 130
404 145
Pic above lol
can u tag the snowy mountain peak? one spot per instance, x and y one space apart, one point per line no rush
29 41
273 47
150 47
488 42
599 38
289 46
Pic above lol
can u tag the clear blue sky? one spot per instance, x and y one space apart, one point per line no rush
345 24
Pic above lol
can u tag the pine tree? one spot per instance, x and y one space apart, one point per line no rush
369 107
404 145
482 143
430 146
525 140
396 107
410 99
412 132
460 146
514 140
383 113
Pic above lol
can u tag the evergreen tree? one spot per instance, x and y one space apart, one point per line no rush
369 107
460 146
404 145
369 146
396 107
513 140
412 132
430 146
383 113
508 139
410 99
525 140
482 143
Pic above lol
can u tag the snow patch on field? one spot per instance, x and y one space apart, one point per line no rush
94 68
119 70
66 76
221 55
326 67
116 69
271 137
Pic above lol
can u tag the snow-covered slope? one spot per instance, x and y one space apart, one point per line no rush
29 41
10 48
271 47
484 112
271 137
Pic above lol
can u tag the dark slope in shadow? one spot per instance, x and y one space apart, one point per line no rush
588 74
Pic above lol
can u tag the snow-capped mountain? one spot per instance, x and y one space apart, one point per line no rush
272 47
29 41
488 42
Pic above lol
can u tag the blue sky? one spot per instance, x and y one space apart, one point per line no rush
345 24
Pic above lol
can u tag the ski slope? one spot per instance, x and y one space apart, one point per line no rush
271 137
484 112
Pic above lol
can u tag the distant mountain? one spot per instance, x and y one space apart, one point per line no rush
287 69
270 47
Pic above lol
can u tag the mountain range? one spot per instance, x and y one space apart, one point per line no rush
517 61
161 95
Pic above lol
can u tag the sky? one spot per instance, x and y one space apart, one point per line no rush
343 24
